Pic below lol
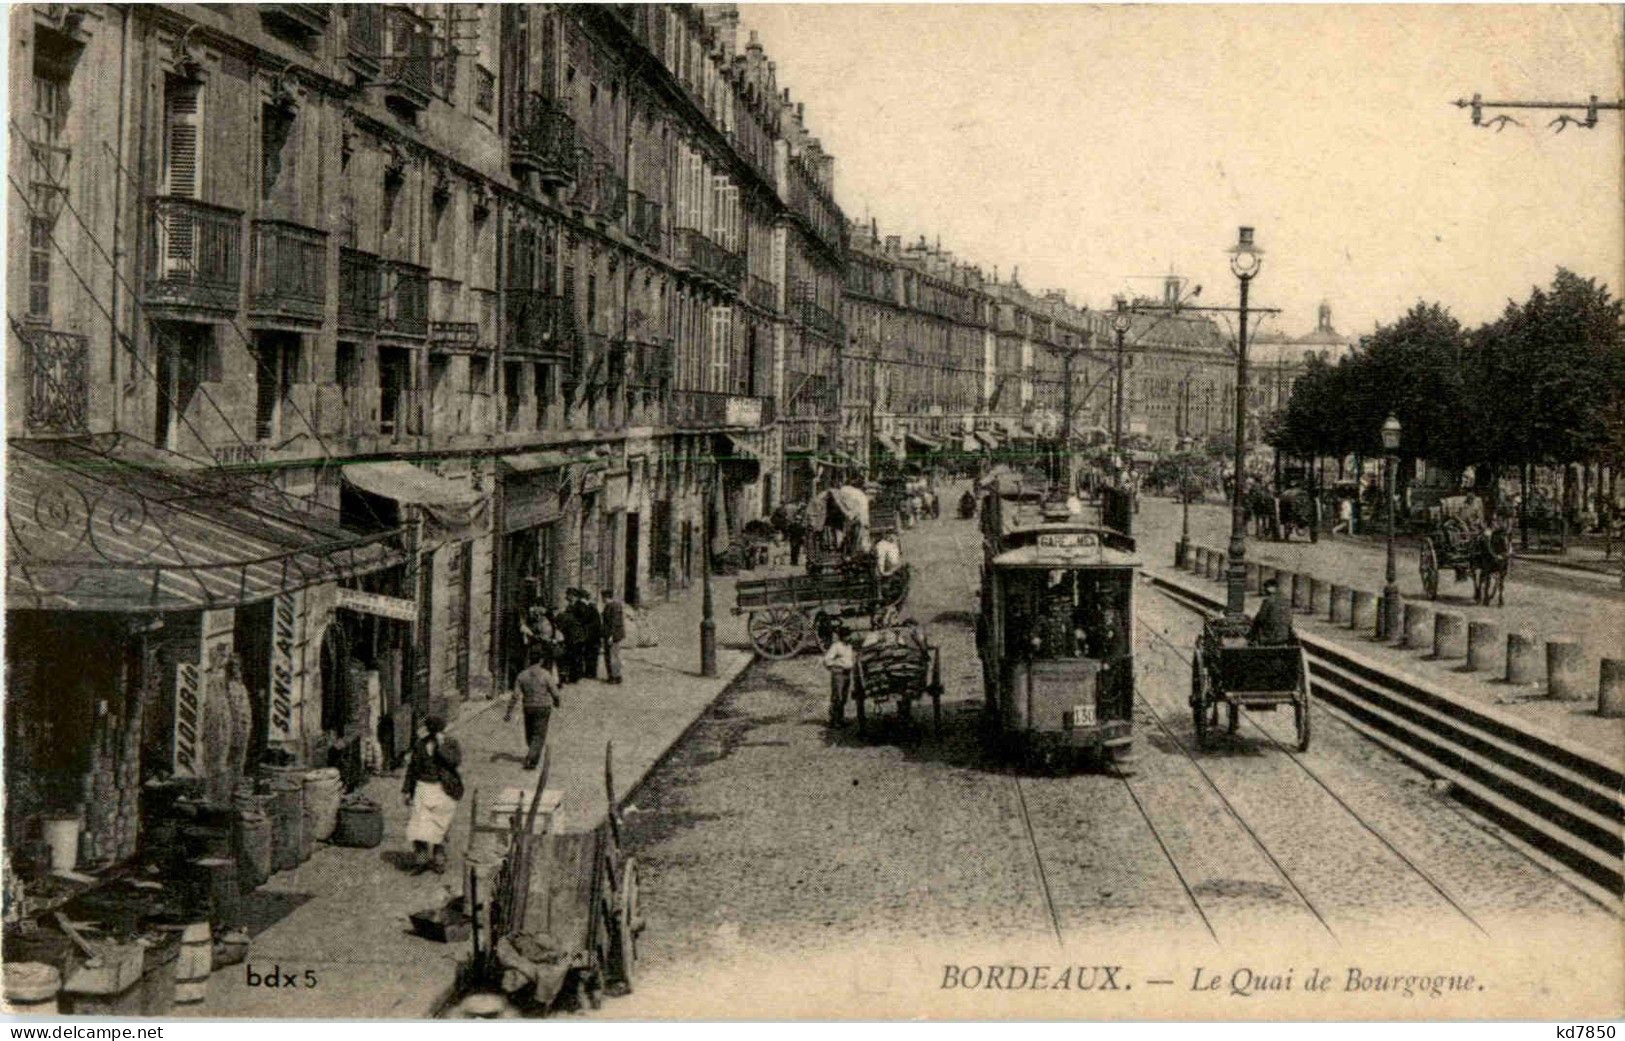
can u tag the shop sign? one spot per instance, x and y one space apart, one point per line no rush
741 411
530 501
188 721
616 489
377 603
282 639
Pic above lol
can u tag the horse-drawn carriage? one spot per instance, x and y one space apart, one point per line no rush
1458 540
1227 670
789 613
1278 517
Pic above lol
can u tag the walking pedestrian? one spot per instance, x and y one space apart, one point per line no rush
614 622
538 695
592 633
433 786
840 660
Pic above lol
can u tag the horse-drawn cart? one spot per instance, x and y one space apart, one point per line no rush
1458 541
897 663
787 613
1227 670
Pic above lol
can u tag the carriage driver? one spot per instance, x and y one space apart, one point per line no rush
1272 625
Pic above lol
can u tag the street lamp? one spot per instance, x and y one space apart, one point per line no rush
1390 592
1245 261
708 622
1120 325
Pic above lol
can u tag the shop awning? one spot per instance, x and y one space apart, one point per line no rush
94 529
535 462
890 444
969 443
922 441
989 442
453 509
732 452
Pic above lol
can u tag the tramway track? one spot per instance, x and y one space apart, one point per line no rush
1552 802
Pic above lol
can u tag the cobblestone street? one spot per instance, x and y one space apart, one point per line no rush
767 832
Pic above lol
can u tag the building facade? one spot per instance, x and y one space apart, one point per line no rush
349 331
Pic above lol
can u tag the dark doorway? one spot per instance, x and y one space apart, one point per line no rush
632 594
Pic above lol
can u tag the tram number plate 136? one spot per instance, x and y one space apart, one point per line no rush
1083 715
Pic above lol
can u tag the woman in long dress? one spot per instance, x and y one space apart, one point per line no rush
432 789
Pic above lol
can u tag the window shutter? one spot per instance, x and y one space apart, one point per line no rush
182 144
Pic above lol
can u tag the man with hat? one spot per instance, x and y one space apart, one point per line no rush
571 635
1272 625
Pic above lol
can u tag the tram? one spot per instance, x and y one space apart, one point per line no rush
1055 632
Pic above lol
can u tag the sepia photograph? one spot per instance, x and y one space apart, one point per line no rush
833 512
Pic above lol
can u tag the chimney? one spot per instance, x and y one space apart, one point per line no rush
1170 290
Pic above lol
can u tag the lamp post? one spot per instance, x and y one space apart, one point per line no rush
1390 591
1120 325
1245 261
708 621
1183 476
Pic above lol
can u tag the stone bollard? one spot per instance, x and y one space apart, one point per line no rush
1215 561
1611 689
1482 640
1363 611
1523 665
1265 573
1319 597
1339 610
1251 575
1565 669
1198 560
1418 627
1449 635
1300 591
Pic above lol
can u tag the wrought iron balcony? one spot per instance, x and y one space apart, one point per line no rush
404 303
543 139
449 324
360 289
709 409
762 293
289 272
599 190
406 73
194 255
364 30
299 19
540 324
56 371
817 319
710 261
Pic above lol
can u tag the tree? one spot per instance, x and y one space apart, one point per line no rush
1412 370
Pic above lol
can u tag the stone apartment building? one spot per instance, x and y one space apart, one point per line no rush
348 330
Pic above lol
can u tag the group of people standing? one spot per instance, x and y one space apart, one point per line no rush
573 640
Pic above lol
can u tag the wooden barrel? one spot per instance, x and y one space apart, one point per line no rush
193 965
287 812
253 849
322 793
31 987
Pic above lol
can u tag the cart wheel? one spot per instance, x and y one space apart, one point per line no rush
778 632
1234 722
1428 563
623 940
1199 700
1300 709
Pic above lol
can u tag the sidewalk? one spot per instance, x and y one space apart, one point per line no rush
342 915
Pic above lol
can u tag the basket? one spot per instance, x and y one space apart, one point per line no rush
448 924
360 824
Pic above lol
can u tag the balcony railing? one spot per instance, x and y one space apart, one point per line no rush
539 324
643 214
705 258
762 293
365 37
543 139
449 324
56 370
303 19
289 272
404 309
817 319
705 409
599 190
408 63
360 289
194 255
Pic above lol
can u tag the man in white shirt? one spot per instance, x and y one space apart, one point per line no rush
840 660
888 556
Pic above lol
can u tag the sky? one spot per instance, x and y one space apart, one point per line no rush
1099 146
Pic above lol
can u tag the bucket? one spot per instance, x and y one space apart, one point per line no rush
287 813
62 836
360 824
323 790
253 849
193 965
32 988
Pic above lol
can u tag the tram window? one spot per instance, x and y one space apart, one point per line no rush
1066 614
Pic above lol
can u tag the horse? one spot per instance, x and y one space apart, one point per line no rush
1261 509
1491 559
1296 510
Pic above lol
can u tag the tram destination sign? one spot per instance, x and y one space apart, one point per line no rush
1068 545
